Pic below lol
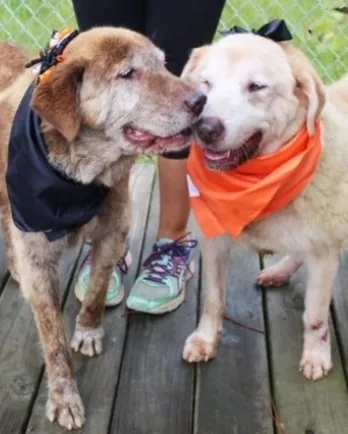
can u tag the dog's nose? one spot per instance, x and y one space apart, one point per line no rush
195 102
209 129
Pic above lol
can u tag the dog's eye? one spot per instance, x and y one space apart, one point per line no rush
206 83
255 87
127 74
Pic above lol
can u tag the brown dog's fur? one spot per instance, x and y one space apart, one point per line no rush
84 105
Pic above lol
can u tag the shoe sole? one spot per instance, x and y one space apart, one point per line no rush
173 304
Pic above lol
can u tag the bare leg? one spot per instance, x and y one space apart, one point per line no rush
38 271
278 274
316 358
174 198
202 344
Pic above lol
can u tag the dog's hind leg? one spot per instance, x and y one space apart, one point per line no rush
38 269
278 274
316 358
202 344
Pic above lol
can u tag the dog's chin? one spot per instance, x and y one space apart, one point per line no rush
145 142
223 161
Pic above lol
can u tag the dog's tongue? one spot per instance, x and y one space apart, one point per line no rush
139 136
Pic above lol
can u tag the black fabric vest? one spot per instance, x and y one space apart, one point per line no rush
43 199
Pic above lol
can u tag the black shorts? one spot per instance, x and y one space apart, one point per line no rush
176 26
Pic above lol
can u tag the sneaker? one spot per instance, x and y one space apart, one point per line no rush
116 290
160 287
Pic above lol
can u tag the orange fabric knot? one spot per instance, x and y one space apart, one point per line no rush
227 202
45 75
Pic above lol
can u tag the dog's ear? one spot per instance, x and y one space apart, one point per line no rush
309 86
191 68
56 97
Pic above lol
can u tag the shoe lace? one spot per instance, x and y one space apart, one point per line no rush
176 254
122 264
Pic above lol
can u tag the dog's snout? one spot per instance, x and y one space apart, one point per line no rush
195 102
209 129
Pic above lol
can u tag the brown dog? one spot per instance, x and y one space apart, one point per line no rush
110 99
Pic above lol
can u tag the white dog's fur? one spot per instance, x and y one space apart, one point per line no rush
314 227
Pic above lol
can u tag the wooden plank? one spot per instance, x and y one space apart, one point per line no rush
97 377
340 307
233 392
303 406
155 394
3 265
21 361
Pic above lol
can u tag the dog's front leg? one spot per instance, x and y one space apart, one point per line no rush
202 344
89 332
316 358
38 270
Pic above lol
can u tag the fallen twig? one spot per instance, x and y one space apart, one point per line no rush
243 325
275 417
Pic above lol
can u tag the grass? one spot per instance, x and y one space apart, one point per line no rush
317 29
30 23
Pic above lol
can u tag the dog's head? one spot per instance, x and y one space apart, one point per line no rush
260 93
113 82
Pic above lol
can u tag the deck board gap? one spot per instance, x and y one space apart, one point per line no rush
124 344
4 282
340 343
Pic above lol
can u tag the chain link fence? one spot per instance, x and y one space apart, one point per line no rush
320 27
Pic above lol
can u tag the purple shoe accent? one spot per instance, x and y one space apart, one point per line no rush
122 264
178 254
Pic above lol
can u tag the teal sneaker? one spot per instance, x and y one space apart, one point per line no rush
116 290
161 286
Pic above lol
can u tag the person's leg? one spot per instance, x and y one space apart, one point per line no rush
118 13
177 27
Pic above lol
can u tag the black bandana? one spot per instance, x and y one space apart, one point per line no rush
276 30
43 199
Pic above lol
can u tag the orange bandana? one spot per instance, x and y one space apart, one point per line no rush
227 202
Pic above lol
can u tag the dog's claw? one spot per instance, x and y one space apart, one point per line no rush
199 349
315 366
65 406
88 342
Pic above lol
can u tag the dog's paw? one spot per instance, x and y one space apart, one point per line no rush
88 341
273 276
199 348
64 405
278 274
316 365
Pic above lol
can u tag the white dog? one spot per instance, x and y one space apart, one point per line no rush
261 94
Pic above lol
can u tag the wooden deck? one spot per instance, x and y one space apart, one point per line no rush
140 385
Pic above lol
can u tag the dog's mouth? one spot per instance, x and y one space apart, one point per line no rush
229 160
148 142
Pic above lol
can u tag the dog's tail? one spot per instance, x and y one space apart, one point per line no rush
12 63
